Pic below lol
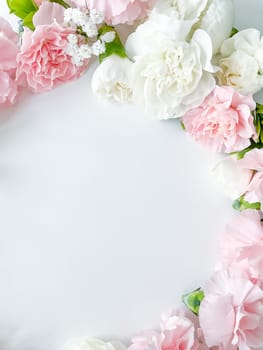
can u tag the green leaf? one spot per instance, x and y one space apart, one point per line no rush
233 32
113 48
28 21
21 8
24 9
193 300
241 204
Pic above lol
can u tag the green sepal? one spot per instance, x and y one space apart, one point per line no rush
193 300
241 204
113 48
233 31
258 122
24 9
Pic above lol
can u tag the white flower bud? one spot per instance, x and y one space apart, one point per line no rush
231 177
112 80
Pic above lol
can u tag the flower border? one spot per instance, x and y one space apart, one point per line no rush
175 65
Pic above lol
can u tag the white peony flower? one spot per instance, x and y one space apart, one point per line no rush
231 177
178 19
112 80
93 344
174 76
241 62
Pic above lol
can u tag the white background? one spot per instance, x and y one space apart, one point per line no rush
106 217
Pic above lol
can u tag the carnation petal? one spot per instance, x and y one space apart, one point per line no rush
204 42
48 13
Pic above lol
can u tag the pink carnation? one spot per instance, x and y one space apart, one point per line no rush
254 160
223 122
177 332
119 11
231 314
8 53
255 189
242 245
43 62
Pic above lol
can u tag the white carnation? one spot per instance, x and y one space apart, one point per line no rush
92 344
241 62
217 20
112 80
174 76
175 18
181 9
231 177
179 19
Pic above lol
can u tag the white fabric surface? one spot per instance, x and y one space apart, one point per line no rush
106 217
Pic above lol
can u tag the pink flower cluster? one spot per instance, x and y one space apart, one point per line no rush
223 122
231 315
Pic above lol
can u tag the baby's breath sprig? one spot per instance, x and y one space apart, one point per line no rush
87 40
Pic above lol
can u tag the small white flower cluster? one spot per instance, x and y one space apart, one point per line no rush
86 21
86 25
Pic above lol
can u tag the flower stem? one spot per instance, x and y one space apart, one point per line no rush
61 2
241 154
